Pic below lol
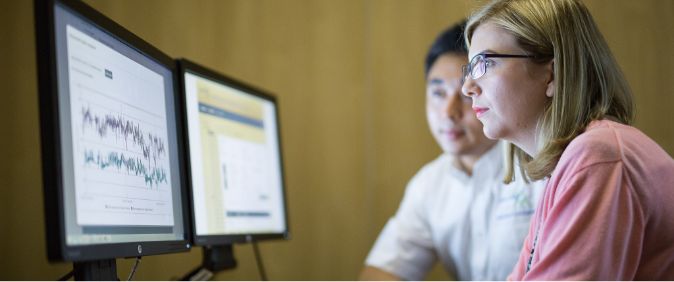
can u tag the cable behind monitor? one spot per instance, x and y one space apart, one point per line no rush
258 259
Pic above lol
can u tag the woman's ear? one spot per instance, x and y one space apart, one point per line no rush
550 69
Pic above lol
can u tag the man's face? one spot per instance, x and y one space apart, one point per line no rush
449 113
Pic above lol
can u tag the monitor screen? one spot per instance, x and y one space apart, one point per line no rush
235 159
110 139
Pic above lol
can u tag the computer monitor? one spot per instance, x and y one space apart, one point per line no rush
234 155
112 152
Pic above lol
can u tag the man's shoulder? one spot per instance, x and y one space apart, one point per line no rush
428 176
435 165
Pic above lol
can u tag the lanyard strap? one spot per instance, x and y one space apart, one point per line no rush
531 254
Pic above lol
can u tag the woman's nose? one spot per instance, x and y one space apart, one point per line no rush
469 88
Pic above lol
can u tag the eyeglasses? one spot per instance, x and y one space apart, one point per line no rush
478 64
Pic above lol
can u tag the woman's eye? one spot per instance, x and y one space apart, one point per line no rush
488 63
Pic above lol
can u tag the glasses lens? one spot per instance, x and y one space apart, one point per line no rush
477 67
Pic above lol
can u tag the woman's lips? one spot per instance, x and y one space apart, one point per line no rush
479 111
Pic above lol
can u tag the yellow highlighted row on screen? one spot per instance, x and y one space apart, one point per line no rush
229 100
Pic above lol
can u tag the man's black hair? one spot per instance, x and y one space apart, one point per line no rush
449 41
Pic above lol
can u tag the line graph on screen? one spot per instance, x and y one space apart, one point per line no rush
122 160
121 142
132 149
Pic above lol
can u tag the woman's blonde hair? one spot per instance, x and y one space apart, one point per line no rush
589 84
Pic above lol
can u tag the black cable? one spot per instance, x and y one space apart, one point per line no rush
260 267
67 276
133 270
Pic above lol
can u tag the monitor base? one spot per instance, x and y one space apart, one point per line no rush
216 258
96 270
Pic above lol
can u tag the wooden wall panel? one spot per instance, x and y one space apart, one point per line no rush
24 251
641 37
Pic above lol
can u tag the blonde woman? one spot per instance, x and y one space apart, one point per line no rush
542 77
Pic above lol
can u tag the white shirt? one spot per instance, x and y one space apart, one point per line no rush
474 225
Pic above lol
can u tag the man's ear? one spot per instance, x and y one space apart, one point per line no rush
550 68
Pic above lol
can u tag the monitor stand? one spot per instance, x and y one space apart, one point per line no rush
96 270
216 258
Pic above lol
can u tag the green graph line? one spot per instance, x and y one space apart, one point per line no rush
134 166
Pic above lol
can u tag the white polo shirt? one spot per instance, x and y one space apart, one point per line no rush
474 225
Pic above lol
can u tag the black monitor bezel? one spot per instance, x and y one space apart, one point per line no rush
187 66
57 248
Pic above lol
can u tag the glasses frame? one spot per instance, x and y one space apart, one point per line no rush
467 69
